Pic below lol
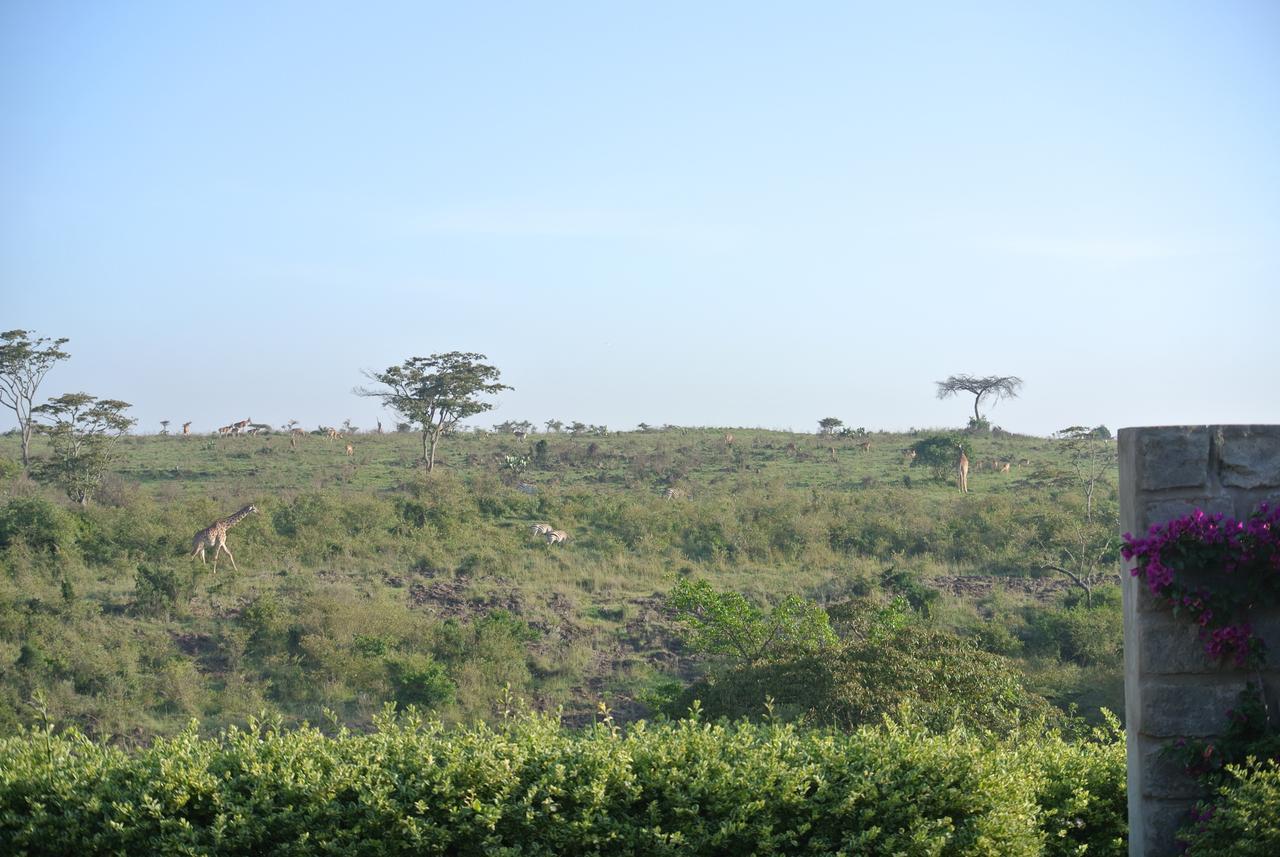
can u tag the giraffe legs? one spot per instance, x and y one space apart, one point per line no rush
223 546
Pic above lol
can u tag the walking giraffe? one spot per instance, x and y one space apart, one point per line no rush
215 536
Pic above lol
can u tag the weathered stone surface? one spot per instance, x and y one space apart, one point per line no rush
1173 457
1163 775
1163 818
1249 456
1171 645
1177 710
1161 511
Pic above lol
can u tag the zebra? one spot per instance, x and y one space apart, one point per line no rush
527 488
557 537
673 494
541 529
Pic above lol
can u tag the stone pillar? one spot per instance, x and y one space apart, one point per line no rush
1171 687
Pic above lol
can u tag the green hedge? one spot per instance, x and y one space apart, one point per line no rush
531 787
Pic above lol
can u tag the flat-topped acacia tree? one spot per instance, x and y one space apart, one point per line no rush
996 386
436 392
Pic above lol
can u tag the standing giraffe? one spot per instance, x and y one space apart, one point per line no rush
215 536
962 473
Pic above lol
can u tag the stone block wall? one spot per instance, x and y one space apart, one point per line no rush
1172 688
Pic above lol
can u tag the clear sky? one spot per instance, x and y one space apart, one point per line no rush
730 214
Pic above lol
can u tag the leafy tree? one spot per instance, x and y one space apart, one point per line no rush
994 386
886 657
554 425
83 431
725 623
436 392
827 425
940 453
23 364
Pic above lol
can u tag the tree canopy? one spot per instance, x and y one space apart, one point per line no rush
994 386
436 392
24 362
83 431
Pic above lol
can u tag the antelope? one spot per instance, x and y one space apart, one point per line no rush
909 454
186 429
520 434
865 446
351 450
1002 467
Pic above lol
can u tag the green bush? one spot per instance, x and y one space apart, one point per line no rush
36 521
1244 818
531 787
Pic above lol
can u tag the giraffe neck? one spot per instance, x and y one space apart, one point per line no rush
239 516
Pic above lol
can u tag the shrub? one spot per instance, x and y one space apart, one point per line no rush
37 522
1244 821
532 787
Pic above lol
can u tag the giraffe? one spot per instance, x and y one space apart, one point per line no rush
962 473
215 536
186 428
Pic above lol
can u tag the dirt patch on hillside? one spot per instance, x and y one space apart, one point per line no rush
978 586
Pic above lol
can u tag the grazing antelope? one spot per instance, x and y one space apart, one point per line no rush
333 433
832 450
237 428
1002 466
351 450
557 537
225 430
865 446
541 529
962 473
215 536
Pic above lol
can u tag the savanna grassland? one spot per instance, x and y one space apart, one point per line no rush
363 579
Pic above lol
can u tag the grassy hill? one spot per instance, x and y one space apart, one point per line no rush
364 579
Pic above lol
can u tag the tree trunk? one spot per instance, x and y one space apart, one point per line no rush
977 420
431 461
26 444
424 446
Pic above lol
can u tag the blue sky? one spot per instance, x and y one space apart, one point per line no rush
704 214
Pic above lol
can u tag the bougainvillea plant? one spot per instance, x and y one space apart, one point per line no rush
1242 558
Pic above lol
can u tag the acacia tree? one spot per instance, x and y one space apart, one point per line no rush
827 425
24 362
995 386
83 431
436 392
